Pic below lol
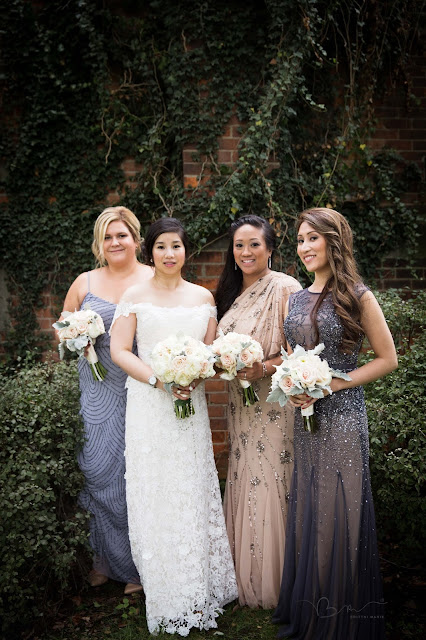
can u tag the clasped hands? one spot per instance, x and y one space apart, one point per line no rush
251 373
183 393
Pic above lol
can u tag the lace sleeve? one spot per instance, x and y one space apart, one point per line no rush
122 309
212 312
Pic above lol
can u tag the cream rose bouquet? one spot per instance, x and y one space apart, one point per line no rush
78 332
181 359
303 372
234 351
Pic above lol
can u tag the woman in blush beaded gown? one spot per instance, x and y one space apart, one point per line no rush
116 246
331 586
251 300
176 522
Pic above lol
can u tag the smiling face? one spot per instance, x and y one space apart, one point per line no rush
312 249
168 253
250 251
119 244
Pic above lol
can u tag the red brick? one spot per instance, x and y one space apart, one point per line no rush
215 385
234 120
210 256
191 169
419 146
224 157
221 448
218 398
385 134
413 156
229 143
113 198
190 182
216 411
398 283
213 269
187 156
410 134
204 282
218 424
401 145
45 324
219 437
396 123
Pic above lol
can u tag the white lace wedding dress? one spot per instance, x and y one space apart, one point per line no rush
176 523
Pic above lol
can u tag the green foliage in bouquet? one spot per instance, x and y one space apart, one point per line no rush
41 529
396 408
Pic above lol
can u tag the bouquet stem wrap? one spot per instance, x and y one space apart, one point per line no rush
249 394
309 419
184 408
98 370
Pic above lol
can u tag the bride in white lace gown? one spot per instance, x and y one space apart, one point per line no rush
176 523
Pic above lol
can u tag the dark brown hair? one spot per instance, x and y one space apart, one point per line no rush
163 225
344 273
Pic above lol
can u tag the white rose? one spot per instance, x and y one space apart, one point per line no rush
247 358
286 384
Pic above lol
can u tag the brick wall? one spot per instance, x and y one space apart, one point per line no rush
401 126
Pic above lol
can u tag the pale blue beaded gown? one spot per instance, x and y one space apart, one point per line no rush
103 408
331 586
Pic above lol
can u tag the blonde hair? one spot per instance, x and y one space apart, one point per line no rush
344 278
108 215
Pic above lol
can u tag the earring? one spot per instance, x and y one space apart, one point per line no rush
270 262
235 266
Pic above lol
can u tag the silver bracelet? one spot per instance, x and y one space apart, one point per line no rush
265 371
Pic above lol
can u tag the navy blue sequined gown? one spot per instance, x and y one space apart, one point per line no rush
331 586
103 407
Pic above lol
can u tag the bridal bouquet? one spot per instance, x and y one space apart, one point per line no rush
79 330
181 359
303 372
234 351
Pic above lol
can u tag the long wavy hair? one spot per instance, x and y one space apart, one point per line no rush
344 276
231 278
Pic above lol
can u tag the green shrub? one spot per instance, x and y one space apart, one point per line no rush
396 408
41 529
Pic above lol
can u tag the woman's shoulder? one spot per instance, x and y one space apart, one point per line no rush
145 272
199 294
77 292
136 293
361 288
285 281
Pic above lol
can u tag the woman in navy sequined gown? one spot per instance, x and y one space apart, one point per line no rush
331 585
116 246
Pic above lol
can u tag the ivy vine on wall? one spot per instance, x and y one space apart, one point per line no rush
89 83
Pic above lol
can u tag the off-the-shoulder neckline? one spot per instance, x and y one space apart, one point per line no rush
155 306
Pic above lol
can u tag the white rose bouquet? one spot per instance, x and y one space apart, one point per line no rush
303 372
79 330
234 351
181 359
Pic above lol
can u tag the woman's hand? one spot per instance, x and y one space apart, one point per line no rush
304 401
251 373
179 392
